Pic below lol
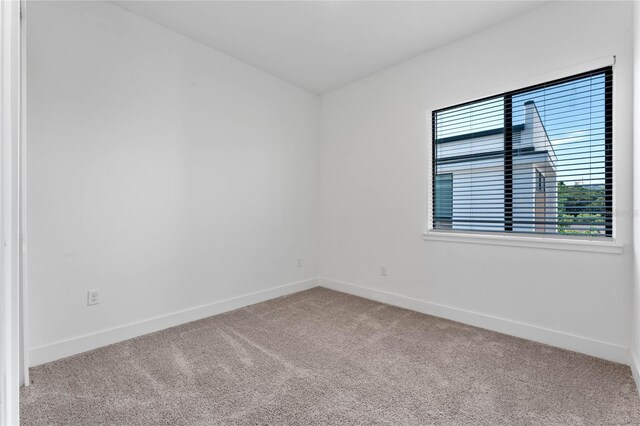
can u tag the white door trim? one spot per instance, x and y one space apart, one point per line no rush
10 111
24 341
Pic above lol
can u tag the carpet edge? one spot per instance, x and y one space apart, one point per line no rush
75 345
559 339
635 369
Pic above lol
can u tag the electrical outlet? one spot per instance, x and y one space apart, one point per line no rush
299 262
383 271
93 297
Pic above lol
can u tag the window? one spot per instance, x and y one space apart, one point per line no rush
444 200
532 161
541 181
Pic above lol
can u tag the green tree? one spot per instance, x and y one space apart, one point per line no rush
581 209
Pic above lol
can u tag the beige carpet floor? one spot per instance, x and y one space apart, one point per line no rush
324 357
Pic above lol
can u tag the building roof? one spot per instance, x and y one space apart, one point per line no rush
480 134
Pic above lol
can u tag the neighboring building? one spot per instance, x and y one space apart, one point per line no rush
469 180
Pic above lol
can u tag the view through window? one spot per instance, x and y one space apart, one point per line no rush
536 160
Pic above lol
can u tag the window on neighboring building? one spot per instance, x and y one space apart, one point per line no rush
536 160
541 184
444 200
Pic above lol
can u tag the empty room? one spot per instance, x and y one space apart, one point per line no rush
319 212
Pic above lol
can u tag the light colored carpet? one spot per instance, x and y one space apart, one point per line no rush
324 357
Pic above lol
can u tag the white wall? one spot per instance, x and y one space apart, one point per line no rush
161 172
374 161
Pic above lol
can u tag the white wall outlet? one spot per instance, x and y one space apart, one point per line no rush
93 297
299 262
383 271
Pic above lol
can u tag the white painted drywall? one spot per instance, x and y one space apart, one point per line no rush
375 135
635 317
161 172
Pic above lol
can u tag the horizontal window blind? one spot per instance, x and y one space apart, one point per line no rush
534 161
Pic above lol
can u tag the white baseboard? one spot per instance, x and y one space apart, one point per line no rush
76 345
585 345
635 369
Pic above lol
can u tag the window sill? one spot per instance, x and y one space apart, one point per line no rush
546 243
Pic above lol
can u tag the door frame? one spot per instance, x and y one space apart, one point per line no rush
10 211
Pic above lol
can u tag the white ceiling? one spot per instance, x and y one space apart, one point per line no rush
323 45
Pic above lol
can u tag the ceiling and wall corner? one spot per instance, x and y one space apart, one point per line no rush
323 45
